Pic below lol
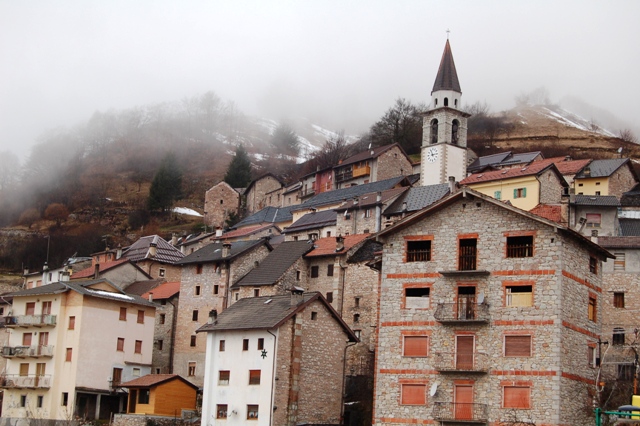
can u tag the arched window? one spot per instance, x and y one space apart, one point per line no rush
446 101
434 131
454 132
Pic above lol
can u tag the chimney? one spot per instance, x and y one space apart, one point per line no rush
64 277
26 271
296 295
150 296
174 239
213 316
594 236
339 243
96 271
153 247
218 232
119 252
452 184
587 171
226 249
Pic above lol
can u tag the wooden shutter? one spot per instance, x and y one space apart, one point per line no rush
517 345
464 352
31 308
414 394
416 345
254 377
26 339
516 397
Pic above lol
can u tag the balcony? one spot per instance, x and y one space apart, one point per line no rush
344 174
30 321
30 381
458 412
452 362
27 351
462 313
361 171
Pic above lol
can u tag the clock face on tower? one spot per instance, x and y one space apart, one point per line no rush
432 155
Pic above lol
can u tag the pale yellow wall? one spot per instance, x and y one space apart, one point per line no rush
506 188
589 186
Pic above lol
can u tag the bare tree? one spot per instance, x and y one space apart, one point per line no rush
627 136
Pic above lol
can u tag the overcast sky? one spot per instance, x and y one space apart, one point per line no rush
340 63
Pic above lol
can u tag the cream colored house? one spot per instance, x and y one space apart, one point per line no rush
70 346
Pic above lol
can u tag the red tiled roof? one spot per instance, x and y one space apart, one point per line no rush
547 211
164 291
327 246
88 272
566 167
532 169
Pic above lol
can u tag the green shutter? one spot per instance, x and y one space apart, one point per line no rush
524 192
515 193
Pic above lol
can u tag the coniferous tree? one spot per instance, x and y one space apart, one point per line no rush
239 171
286 140
166 186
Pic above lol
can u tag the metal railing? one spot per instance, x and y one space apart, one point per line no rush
27 351
523 250
462 312
460 412
461 362
30 381
30 320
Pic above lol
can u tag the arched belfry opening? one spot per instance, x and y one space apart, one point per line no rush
446 101
434 131
454 132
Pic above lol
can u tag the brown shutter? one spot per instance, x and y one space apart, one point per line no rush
416 345
517 345
414 394
517 397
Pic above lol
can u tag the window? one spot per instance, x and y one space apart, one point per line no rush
467 254
138 347
328 234
221 411
367 213
194 315
330 296
418 251
260 344
40 400
618 299
356 317
520 193
161 272
593 265
593 307
591 356
120 344
30 308
191 369
116 376
329 270
199 268
216 289
252 412
519 295
24 369
123 314
65 399
314 271
223 377
68 354
256 292
192 342
497 195
46 308
23 400
356 302
434 129
163 318
626 372
221 346
314 316
594 220
136 372
197 290
357 333
516 397
143 396
619 262
520 246
413 394
254 377
415 346
26 339
618 336
72 323
297 275
517 346
140 317
245 344
416 297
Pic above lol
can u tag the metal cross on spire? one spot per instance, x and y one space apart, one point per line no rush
448 33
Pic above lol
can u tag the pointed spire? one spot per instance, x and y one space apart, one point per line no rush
447 78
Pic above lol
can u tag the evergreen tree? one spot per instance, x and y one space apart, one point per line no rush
286 140
166 186
239 171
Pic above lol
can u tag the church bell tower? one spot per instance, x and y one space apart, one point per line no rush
444 128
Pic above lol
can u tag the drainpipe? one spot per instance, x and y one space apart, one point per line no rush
273 379
344 380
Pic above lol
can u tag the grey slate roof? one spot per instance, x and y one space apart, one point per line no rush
447 78
267 313
82 287
165 252
597 200
366 155
629 227
267 215
313 220
213 252
602 168
418 198
631 198
272 267
488 160
524 157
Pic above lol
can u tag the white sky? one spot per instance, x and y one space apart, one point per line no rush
340 63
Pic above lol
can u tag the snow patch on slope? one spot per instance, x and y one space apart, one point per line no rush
570 119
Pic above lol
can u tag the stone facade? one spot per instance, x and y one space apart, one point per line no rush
551 187
294 276
220 201
256 194
621 181
391 163
359 221
159 270
164 334
525 320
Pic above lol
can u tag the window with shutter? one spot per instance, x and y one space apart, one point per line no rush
516 397
619 262
254 377
413 394
416 346
223 377
618 299
517 346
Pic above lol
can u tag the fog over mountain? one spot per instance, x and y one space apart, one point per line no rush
339 64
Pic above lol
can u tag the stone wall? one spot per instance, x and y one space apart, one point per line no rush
256 195
147 420
621 181
550 188
166 313
219 202
391 163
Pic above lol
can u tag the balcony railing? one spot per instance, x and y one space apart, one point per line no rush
27 351
31 381
459 412
344 174
452 362
30 320
361 171
462 312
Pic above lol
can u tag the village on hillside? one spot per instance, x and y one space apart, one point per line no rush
496 290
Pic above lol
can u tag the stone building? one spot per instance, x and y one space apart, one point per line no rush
207 277
363 214
275 360
488 314
589 213
121 272
606 177
263 192
312 226
220 202
369 166
156 257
